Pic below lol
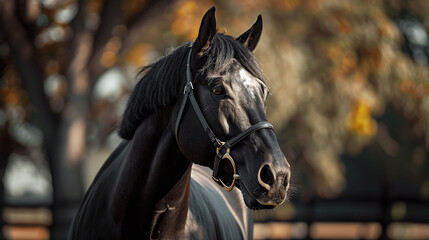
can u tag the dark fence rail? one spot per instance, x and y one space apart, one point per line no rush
342 218
371 218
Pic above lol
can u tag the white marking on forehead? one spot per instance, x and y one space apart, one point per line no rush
249 82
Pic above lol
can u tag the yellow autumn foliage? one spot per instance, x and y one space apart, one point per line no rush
138 56
187 18
359 120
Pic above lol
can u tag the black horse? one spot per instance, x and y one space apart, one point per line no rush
203 103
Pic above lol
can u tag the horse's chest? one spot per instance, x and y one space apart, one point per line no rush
210 213
215 213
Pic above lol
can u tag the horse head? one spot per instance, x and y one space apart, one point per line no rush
225 126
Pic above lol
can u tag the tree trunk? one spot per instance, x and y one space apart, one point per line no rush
64 136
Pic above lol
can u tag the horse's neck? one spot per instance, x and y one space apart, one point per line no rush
171 211
166 191
153 176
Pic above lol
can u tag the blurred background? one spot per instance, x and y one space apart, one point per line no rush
350 106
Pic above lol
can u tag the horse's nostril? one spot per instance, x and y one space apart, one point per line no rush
285 181
267 175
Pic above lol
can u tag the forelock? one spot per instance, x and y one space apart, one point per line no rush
223 50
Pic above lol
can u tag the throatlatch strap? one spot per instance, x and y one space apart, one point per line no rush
179 117
189 93
216 142
188 88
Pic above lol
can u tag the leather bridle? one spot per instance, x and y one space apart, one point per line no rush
222 148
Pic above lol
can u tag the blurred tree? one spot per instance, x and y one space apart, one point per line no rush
59 49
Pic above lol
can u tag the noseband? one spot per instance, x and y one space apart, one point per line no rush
222 148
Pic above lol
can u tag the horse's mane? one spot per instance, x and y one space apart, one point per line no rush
160 83
157 88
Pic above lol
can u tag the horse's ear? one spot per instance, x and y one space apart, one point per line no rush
251 37
207 28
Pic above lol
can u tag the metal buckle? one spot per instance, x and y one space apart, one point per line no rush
188 87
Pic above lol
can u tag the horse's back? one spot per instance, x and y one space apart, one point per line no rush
215 213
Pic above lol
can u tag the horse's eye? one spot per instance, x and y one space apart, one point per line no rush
219 90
